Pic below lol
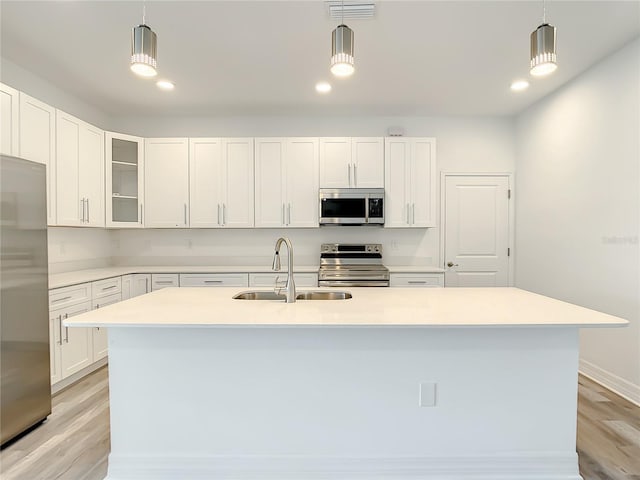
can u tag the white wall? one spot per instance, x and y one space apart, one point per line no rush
21 79
483 144
578 208
78 248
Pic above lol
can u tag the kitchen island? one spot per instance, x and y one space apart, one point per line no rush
390 384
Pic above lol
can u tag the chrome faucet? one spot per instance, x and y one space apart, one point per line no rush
290 286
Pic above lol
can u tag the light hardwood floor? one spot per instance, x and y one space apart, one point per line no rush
73 443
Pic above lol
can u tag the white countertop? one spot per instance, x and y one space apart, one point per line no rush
434 307
58 280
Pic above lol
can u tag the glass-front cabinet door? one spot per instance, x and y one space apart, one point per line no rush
124 190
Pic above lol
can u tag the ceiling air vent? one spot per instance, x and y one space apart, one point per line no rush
351 9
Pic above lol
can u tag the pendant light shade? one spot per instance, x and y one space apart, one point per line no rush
144 51
543 50
342 51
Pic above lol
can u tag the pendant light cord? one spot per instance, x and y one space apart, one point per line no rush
544 12
144 13
342 14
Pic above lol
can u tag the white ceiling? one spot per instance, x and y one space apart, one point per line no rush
264 57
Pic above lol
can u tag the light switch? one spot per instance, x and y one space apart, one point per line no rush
427 395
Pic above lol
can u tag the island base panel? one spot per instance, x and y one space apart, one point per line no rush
343 402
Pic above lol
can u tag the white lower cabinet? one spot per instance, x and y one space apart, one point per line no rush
140 284
416 280
99 335
269 279
127 287
72 348
164 280
214 280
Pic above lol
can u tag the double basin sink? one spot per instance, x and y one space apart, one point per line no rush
311 295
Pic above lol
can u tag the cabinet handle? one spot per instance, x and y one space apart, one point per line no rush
146 285
283 221
213 281
349 168
413 214
289 214
140 214
60 327
408 212
224 214
355 175
97 306
417 282
82 202
164 282
218 212
185 214
88 217
109 288
60 299
66 329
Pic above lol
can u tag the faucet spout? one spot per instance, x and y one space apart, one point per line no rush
290 287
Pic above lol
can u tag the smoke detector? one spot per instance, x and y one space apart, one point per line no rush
350 9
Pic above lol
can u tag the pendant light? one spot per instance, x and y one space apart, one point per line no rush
342 49
543 47
144 49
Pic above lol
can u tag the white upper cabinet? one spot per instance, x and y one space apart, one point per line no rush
124 180
351 162
166 182
9 111
286 182
79 172
38 143
221 182
410 182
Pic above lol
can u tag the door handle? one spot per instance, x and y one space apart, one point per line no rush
60 328
451 264
66 329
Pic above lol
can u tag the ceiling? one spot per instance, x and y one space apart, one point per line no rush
264 57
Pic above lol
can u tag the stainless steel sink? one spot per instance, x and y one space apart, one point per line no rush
315 295
323 295
258 296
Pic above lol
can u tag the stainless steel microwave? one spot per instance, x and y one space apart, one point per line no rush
351 206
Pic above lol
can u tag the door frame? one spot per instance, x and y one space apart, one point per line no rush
511 216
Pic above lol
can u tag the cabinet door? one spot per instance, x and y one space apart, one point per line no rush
368 162
38 143
335 163
99 338
55 342
76 351
9 111
213 280
423 182
124 180
70 207
423 280
141 284
205 170
237 205
164 280
270 209
127 287
397 170
91 174
166 182
302 182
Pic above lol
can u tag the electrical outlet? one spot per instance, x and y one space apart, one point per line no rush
427 396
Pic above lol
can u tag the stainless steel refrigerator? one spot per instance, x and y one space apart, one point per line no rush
25 390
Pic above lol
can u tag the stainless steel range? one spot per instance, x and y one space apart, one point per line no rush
352 265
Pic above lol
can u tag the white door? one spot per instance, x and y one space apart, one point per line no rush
70 206
397 182
269 186
335 162
302 182
237 205
91 174
367 156
166 182
141 284
9 120
38 143
476 230
205 167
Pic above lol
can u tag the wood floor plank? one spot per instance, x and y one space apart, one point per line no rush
74 443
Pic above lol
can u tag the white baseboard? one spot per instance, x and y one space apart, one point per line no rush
622 387
533 466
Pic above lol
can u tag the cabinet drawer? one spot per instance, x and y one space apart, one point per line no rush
416 280
269 279
105 288
164 280
65 296
213 280
104 301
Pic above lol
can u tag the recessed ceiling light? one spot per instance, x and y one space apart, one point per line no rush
519 85
165 85
323 87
